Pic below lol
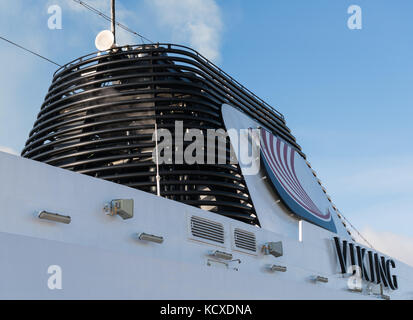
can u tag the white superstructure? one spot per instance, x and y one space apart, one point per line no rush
98 256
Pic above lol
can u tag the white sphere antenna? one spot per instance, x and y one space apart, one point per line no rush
105 40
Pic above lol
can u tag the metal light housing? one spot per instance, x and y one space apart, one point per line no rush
222 255
150 238
54 217
278 268
320 279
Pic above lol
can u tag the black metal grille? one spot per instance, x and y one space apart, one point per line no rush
100 113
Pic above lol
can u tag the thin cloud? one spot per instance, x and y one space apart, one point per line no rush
394 245
366 176
384 175
8 150
375 193
196 22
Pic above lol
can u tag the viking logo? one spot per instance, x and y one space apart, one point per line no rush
281 162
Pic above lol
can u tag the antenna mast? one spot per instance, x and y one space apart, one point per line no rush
112 12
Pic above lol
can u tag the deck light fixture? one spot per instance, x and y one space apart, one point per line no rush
321 279
278 268
54 217
150 238
222 255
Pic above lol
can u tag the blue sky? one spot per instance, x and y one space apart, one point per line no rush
347 94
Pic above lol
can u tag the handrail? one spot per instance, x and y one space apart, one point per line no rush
171 46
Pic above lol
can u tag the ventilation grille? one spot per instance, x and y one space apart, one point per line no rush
245 240
207 229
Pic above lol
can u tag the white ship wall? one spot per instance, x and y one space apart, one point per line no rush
101 258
